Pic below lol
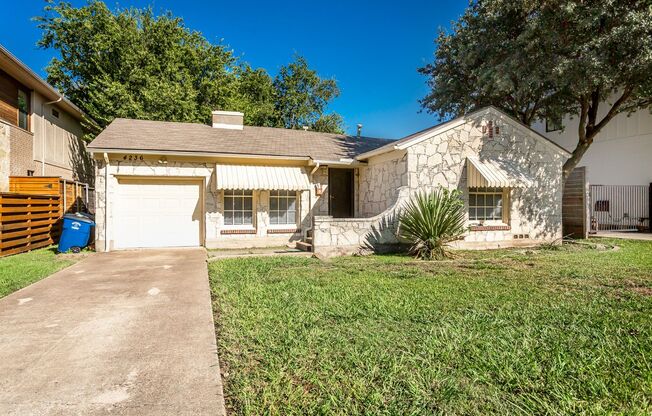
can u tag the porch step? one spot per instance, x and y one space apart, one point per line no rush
302 245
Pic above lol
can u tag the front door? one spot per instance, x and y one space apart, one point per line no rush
340 193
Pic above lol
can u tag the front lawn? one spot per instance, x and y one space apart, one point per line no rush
23 269
564 331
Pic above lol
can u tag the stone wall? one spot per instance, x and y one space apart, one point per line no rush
340 236
378 182
22 152
4 157
216 235
534 212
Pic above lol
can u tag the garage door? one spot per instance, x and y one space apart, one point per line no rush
157 213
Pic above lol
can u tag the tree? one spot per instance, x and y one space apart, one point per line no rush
131 63
538 59
303 96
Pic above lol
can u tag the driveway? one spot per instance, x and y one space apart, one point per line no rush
118 333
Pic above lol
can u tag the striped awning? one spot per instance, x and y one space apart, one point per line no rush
488 173
289 178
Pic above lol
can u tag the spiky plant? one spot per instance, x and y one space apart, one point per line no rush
430 221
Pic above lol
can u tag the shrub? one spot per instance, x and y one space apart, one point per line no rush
430 221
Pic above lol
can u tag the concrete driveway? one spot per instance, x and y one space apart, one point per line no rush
117 333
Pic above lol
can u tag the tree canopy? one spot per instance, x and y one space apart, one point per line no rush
538 59
132 63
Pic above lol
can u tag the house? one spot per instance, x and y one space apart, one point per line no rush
165 184
40 130
616 169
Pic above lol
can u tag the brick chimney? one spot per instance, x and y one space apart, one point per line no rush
232 120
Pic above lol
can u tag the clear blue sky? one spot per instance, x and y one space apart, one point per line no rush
372 48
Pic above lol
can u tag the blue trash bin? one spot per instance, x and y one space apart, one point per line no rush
76 233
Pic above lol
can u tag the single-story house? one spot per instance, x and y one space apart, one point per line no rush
169 184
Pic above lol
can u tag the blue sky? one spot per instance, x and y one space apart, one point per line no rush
372 48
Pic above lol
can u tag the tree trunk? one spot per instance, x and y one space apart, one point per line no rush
589 127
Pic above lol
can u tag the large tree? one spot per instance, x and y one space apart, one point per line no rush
135 64
539 59
303 96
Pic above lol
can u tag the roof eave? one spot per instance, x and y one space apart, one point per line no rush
102 150
40 85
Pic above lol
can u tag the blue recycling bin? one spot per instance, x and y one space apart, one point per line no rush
76 232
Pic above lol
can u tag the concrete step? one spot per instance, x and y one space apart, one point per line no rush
302 245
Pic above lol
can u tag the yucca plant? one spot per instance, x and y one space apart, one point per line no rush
430 221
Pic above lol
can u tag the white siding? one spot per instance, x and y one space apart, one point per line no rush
621 153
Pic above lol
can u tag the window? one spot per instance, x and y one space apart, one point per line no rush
553 124
486 204
23 109
283 208
238 207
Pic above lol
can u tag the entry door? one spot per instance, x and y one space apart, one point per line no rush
340 193
157 213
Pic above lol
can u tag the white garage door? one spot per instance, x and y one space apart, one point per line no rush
157 213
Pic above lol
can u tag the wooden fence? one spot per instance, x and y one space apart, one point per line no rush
75 196
28 222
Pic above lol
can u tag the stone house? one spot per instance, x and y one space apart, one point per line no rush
40 130
165 184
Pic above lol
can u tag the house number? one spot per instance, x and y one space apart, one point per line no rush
132 157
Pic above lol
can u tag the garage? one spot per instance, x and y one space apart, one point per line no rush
150 213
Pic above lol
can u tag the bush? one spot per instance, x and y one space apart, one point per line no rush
431 221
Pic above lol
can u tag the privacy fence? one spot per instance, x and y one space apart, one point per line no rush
30 214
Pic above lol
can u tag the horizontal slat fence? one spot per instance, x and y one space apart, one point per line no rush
28 222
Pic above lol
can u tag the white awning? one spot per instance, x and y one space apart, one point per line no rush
261 177
495 174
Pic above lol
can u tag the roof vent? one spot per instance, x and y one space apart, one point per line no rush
232 120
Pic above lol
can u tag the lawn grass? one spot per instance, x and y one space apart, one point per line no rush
20 270
565 331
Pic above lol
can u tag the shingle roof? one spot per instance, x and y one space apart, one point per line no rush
135 135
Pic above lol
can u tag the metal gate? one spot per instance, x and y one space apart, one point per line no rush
620 207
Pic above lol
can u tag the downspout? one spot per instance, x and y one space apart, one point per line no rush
43 133
106 202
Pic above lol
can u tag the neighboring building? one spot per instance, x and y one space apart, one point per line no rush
167 184
40 130
620 153
617 168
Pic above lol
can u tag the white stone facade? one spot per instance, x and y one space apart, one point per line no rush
216 234
382 184
534 212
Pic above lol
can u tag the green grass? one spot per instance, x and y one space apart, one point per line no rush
565 331
23 269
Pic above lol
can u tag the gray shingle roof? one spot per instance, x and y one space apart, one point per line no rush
134 135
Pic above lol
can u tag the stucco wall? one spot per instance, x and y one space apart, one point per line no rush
265 234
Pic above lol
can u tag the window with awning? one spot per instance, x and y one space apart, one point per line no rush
487 173
248 177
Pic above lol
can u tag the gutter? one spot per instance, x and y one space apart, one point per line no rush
102 150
